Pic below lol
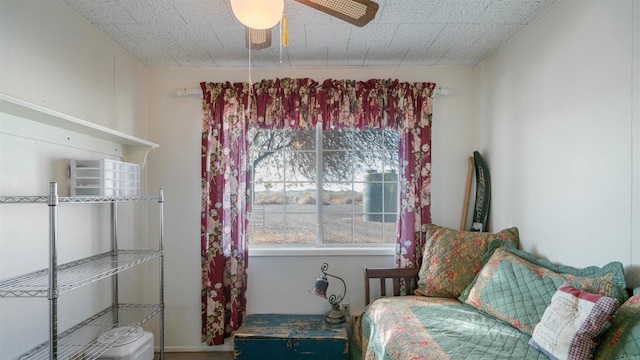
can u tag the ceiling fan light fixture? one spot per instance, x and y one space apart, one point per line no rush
257 39
356 12
258 14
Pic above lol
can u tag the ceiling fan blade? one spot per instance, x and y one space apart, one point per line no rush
257 39
356 12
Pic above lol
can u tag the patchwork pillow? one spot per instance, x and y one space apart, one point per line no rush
516 288
571 323
622 339
453 258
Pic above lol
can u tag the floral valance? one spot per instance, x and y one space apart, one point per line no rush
302 102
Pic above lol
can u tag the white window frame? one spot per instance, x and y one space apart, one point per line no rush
321 248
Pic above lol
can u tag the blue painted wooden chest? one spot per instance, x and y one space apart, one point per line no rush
278 336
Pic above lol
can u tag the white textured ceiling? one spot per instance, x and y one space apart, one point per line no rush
403 33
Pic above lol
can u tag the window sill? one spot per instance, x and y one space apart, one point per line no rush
320 251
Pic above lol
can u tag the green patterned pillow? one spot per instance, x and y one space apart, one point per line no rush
622 339
453 258
515 287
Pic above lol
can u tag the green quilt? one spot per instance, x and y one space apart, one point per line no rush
416 327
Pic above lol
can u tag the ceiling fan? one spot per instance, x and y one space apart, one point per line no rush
260 16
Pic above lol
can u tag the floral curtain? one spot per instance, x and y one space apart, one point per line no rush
230 109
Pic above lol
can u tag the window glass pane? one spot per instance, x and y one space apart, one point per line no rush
268 166
368 139
302 227
339 193
337 226
337 139
389 160
391 139
263 195
359 187
300 165
353 139
337 165
390 232
302 193
343 229
302 218
367 232
380 197
337 213
266 225
277 224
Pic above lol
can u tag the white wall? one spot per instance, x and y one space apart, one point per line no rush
279 284
557 118
51 57
557 125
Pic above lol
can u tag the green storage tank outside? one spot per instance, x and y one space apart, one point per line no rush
380 197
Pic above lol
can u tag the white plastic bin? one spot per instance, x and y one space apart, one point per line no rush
136 345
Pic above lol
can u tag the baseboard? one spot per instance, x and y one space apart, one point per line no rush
228 346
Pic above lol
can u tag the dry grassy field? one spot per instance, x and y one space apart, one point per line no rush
343 224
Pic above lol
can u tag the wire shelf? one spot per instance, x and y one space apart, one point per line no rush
23 199
85 340
75 274
75 199
97 199
81 341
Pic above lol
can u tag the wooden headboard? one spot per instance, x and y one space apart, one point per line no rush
410 276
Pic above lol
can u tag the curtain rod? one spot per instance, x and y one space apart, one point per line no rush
191 92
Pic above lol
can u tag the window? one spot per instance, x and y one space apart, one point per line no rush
353 172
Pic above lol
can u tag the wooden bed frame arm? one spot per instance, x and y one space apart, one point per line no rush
410 276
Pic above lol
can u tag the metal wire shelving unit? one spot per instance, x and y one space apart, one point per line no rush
82 340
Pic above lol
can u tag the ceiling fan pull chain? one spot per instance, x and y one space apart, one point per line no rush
281 38
284 35
285 32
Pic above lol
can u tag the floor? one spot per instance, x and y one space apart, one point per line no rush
211 355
